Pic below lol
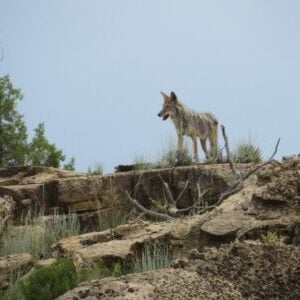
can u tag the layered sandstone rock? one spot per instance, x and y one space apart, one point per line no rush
46 188
238 217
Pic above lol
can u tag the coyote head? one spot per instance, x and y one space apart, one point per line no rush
169 106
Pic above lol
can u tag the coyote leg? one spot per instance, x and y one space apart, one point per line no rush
196 157
203 145
213 136
180 142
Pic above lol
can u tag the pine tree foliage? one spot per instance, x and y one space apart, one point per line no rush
13 132
42 152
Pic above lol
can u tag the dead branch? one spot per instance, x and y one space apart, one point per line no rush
159 207
2 55
231 163
237 185
198 207
137 184
147 211
168 190
245 176
137 218
196 203
182 191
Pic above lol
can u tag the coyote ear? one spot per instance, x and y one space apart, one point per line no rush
173 96
164 95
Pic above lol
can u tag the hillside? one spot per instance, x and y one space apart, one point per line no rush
245 246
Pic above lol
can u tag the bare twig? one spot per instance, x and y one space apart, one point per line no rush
168 190
237 185
137 184
157 205
138 217
147 211
231 163
2 55
196 203
197 207
182 191
245 176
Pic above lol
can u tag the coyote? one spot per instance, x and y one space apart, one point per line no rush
190 123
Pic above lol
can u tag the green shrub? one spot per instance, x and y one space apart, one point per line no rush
38 234
98 169
173 157
269 237
246 153
112 218
152 256
140 163
49 282
216 154
14 291
101 270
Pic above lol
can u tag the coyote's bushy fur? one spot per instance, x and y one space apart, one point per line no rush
193 124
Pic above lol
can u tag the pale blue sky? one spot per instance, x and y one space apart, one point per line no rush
92 70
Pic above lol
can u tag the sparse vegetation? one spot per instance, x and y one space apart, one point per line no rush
14 291
154 256
173 157
111 218
269 237
38 234
70 165
140 163
98 169
246 153
101 270
216 154
49 282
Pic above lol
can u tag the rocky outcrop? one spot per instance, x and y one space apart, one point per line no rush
92 192
121 243
238 271
30 187
46 188
227 259
238 217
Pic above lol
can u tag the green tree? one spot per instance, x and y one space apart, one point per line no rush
13 132
42 152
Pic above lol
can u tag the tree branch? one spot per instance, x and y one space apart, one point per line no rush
2 55
231 163
245 176
182 191
169 193
147 211
196 203
170 207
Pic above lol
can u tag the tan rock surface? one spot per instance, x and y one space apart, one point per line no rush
38 187
239 216
239 271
